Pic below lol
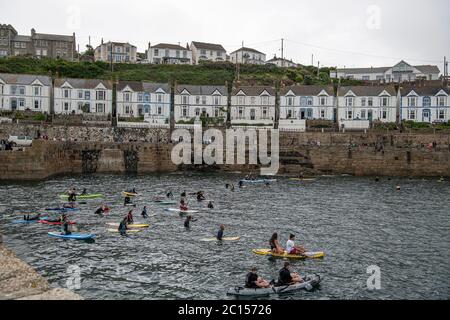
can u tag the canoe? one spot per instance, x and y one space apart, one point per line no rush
259 181
129 194
75 236
52 223
306 255
180 211
223 239
128 231
133 226
310 282
84 196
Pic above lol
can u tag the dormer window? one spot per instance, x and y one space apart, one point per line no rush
384 102
412 101
37 90
290 101
66 93
442 101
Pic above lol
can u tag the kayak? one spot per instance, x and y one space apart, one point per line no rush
180 211
306 255
76 236
83 196
310 282
62 209
52 223
128 231
133 226
302 179
223 239
259 181
129 194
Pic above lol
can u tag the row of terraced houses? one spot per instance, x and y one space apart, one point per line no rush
352 107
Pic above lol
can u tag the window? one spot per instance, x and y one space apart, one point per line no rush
184 112
66 106
264 100
197 112
66 93
80 106
140 97
366 78
309 102
241 100
323 101
240 113
363 114
127 96
349 102
426 102
1 88
203 52
412 102
384 114
37 104
22 103
147 97
87 95
197 100
363 102
160 97
412 114
264 113
441 101
349 114
159 110
178 53
185 99
289 114
127 109
380 78
156 52
80 94
216 112
13 90
37 91
252 100
290 101
384 102
441 115
370 102
203 99
167 53
184 54
216 100
100 95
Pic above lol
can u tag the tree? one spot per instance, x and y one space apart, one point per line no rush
89 51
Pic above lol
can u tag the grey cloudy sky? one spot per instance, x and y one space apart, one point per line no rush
339 33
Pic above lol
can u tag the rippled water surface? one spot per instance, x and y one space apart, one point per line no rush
358 223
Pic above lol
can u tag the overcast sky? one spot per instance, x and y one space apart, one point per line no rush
354 33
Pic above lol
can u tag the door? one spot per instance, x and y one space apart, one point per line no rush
426 115
13 104
370 115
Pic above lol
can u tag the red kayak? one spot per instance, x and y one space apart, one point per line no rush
54 223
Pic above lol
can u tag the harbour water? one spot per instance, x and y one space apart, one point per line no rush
357 222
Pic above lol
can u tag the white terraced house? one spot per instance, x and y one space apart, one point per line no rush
77 96
253 106
117 52
307 102
282 63
25 92
425 103
359 106
165 53
137 99
248 55
200 101
401 72
208 52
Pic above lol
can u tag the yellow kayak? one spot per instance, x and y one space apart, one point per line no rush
306 255
132 226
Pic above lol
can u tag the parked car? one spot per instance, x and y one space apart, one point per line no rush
22 141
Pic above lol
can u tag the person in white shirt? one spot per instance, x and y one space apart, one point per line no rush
291 248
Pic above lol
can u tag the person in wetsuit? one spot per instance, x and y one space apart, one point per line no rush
183 206
84 192
220 232
144 212
65 225
32 218
123 227
72 195
169 195
130 217
127 201
211 205
200 196
252 281
187 222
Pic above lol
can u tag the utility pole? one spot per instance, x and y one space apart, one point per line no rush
312 59
112 68
318 68
282 52
89 41
445 67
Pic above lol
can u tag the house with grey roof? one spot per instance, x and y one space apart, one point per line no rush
193 101
37 44
25 92
144 99
307 102
401 72
253 105
248 55
425 103
202 51
77 96
165 53
282 62
359 106
116 52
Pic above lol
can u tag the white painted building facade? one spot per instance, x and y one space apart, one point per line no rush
77 96
307 103
253 106
208 52
428 104
165 53
117 52
25 92
248 55
282 63
401 72
367 103
193 102
144 99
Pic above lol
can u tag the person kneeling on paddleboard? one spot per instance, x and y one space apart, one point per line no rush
291 248
252 281
275 244
286 277
220 232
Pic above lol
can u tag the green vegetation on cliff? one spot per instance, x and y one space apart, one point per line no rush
206 73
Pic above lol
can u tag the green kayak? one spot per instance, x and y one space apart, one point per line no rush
85 196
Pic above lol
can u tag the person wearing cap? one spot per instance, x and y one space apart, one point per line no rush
252 280
286 277
291 248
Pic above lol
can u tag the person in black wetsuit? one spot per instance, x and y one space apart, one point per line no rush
169 195
200 196
252 281
211 205
286 277
72 195
187 222
32 218
241 184
127 201
144 213
65 225
123 227
220 232
84 192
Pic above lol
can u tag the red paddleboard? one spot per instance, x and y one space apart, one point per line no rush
54 223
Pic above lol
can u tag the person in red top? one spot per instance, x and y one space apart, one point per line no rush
130 217
183 206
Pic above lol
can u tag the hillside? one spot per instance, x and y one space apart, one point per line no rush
207 73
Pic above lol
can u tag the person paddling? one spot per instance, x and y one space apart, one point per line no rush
123 227
183 206
144 212
65 225
253 281
129 217
127 201
220 232
187 222
211 205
